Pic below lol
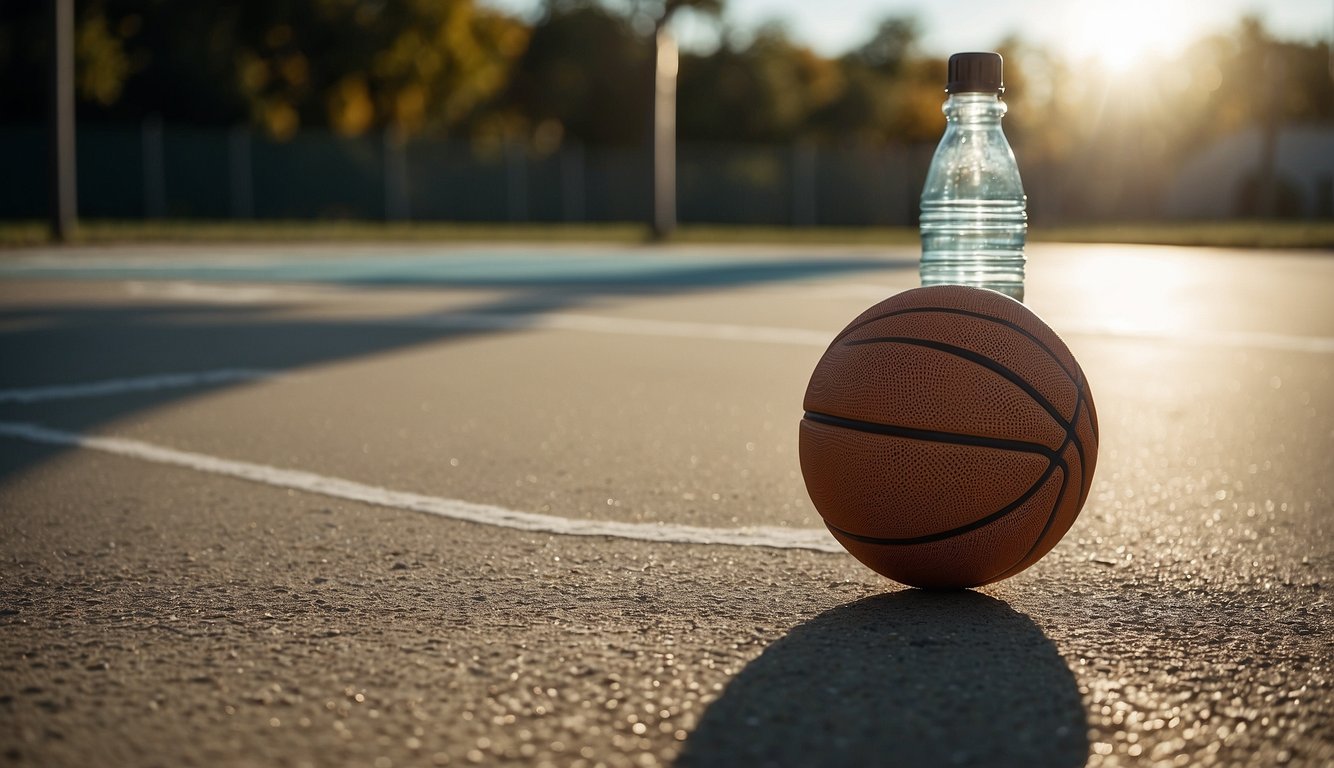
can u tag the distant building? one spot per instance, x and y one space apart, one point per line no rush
1223 179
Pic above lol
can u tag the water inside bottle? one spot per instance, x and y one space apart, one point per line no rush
974 242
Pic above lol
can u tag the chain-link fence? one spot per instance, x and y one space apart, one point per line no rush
153 171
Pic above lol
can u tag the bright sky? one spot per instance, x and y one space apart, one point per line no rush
1114 32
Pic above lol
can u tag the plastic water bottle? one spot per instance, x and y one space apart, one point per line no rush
974 218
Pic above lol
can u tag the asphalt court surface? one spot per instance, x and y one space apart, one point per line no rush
541 505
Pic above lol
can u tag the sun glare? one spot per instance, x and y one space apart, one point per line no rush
1120 35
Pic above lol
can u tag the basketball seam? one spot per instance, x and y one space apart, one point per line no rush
1082 407
1077 379
1086 490
1072 428
933 436
983 522
1085 481
967 313
1093 417
1055 459
978 359
1060 496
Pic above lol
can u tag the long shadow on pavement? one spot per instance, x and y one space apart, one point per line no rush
61 344
910 678
609 274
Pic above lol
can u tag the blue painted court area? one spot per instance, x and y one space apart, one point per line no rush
449 266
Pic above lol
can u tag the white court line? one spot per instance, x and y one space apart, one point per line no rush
140 384
209 293
621 326
1320 345
205 292
483 514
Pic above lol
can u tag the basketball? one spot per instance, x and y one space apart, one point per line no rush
949 438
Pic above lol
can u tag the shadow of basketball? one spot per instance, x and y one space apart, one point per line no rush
910 678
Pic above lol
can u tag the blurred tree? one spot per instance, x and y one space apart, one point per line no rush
580 74
765 91
24 41
1036 83
892 46
1108 144
103 62
890 91
772 89
441 66
413 65
183 61
354 65
1259 78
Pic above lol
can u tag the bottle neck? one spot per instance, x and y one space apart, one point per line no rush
974 108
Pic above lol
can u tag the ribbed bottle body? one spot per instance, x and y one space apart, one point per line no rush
974 220
975 242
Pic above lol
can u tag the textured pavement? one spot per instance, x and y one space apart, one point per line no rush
160 606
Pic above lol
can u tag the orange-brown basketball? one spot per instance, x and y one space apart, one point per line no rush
949 438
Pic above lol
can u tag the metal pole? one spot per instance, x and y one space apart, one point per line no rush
63 209
665 62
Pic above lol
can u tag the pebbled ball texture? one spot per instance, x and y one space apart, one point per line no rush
950 437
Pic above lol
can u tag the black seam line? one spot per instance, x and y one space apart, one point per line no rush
1072 428
1051 518
988 520
954 438
1076 377
1000 321
1085 477
1071 437
967 313
1093 417
982 360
